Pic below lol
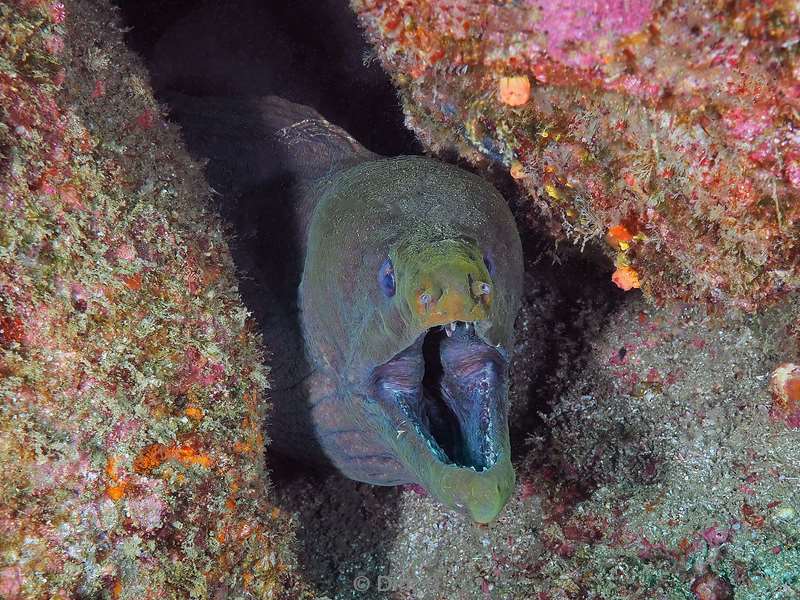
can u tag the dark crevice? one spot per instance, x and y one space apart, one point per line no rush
311 53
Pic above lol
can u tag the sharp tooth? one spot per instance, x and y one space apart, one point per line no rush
453 326
447 331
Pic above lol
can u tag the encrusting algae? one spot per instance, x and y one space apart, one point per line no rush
131 452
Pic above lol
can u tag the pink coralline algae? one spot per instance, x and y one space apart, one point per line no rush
677 122
578 31
716 536
711 587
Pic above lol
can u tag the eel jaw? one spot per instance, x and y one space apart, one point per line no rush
445 399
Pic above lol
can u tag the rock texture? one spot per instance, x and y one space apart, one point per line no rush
132 385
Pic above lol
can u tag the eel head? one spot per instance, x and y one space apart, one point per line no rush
445 394
421 354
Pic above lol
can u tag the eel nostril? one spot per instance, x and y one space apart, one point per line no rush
430 296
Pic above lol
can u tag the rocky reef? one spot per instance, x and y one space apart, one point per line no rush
657 447
132 385
668 129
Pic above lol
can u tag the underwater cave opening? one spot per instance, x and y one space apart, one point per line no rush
317 56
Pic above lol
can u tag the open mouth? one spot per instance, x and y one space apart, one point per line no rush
449 387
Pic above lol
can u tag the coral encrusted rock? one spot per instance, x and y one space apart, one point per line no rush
671 129
131 379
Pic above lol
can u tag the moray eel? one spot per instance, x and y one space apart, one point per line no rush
406 282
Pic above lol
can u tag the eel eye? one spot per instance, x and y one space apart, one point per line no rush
487 260
386 278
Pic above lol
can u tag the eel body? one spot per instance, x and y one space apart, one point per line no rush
386 289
